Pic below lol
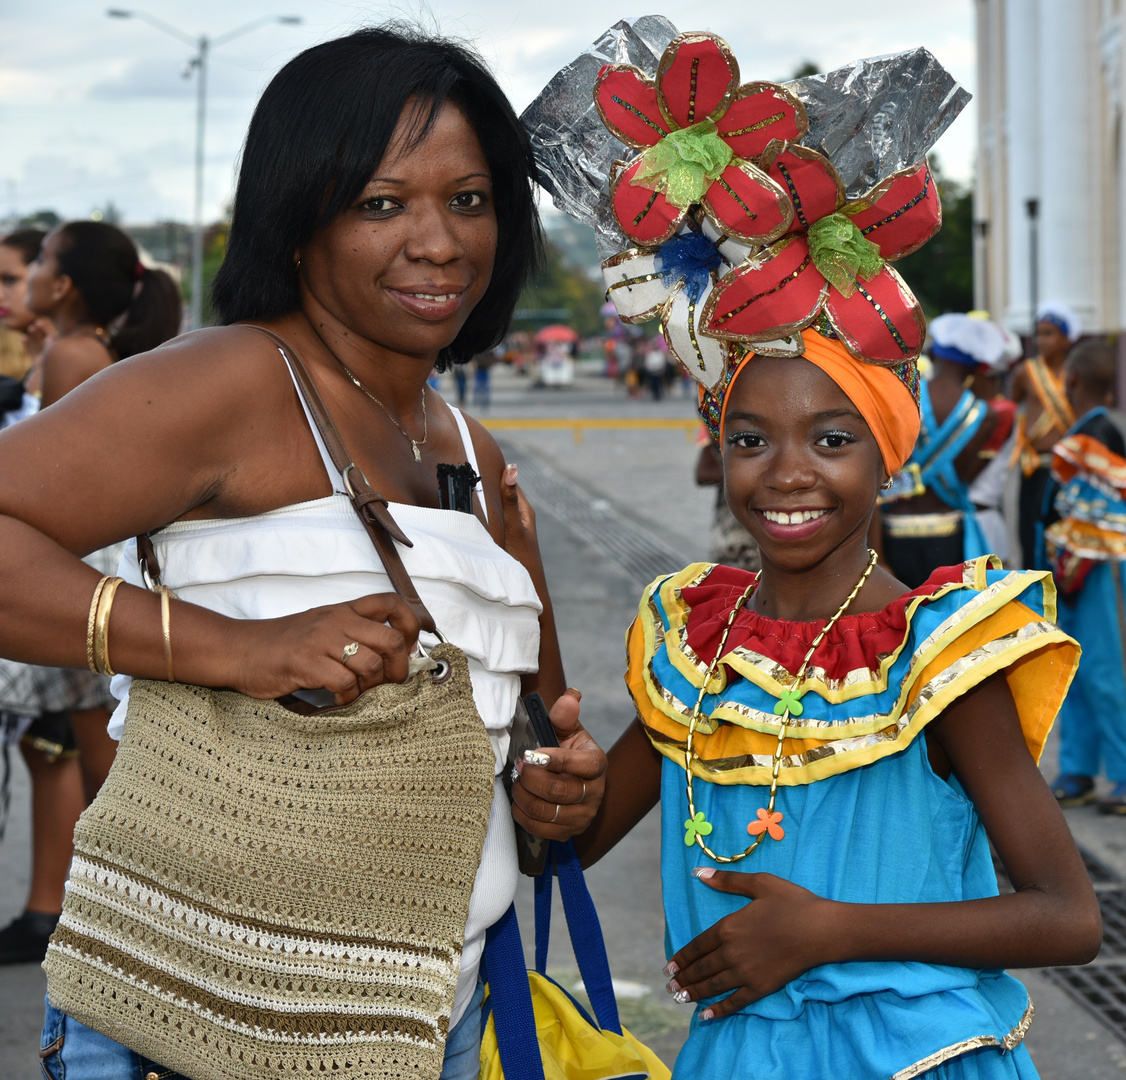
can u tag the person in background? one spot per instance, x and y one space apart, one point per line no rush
1085 549
927 516
1044 414
987 492
87 279
656 362
22 333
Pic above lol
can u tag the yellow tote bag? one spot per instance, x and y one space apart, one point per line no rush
534 1029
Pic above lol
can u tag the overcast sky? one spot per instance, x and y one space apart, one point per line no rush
94 109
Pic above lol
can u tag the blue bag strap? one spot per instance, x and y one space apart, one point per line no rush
510 998
585 930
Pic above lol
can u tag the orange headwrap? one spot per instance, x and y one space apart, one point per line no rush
883 400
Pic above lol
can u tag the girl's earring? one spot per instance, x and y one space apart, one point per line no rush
886 485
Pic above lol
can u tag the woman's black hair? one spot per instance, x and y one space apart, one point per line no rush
106 270
316 139
26 241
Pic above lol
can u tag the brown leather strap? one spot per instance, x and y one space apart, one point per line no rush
368 503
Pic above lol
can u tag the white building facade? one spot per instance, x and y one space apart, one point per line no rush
1050 196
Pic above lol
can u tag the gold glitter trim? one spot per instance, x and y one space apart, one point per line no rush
1010 1042
903 526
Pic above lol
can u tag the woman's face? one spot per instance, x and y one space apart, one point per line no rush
14 313
407 263
801 466
45 284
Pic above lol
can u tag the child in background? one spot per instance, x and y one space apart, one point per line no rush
1086 548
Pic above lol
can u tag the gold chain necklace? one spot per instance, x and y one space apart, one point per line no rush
415 443
697 826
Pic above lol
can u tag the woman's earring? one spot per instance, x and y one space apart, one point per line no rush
297 266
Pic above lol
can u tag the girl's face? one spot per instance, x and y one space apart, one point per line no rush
46 286
408 262
14 312
801 467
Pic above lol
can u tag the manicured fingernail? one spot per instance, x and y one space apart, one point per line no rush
576 694
702 872
682 997
671 968
707 1014
672 986
510 473
534 758
518 766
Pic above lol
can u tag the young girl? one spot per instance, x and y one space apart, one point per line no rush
910 725
832 751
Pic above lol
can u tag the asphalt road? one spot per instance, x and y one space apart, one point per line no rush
615 509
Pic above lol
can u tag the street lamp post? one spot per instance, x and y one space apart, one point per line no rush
198 63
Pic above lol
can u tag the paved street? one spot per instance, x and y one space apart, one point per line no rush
613 508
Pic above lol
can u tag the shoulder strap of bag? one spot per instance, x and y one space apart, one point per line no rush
368 503
585 930
510 998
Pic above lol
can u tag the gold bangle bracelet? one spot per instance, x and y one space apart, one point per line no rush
90 623
166 629
101 627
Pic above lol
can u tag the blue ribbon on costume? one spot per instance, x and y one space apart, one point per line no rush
691 258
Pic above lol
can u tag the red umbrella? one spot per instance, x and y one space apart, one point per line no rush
555 332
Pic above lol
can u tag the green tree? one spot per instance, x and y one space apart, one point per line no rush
559 286
941 274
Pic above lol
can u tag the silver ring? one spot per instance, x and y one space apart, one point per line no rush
556 814
350 650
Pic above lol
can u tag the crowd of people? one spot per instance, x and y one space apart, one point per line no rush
298 841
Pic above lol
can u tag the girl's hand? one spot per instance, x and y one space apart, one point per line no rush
520 539
558 800
753 951
274 657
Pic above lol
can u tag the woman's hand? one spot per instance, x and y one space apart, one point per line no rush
314 649
753 951
559 799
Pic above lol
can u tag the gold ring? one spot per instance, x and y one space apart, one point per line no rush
583 796
556 814
350 650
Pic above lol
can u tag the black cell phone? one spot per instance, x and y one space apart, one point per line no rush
531 729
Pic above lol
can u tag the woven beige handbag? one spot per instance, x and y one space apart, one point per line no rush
258 893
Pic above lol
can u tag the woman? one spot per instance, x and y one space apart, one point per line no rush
82 277
105 303
17 250
384 223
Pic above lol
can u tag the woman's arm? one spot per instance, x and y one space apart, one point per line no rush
193 427
1051 918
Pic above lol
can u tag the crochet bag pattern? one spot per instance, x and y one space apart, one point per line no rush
258 893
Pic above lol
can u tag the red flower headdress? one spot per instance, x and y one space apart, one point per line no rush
714 153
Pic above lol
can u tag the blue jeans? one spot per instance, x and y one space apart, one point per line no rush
72 1051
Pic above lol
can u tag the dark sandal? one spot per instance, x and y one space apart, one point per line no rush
1072 790
1114 802
24 939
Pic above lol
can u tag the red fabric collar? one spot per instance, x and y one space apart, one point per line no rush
857 641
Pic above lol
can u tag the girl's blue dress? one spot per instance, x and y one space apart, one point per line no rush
866 820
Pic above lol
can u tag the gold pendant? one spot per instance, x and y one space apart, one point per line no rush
417 452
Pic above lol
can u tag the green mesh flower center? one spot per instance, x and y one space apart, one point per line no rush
842 253
685 163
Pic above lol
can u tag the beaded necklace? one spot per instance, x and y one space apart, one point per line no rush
789 703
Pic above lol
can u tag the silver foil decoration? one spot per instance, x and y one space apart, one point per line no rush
573 149
871 118
875 117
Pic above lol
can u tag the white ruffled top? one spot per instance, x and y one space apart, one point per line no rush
318 552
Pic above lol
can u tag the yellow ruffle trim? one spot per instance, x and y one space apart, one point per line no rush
993 632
